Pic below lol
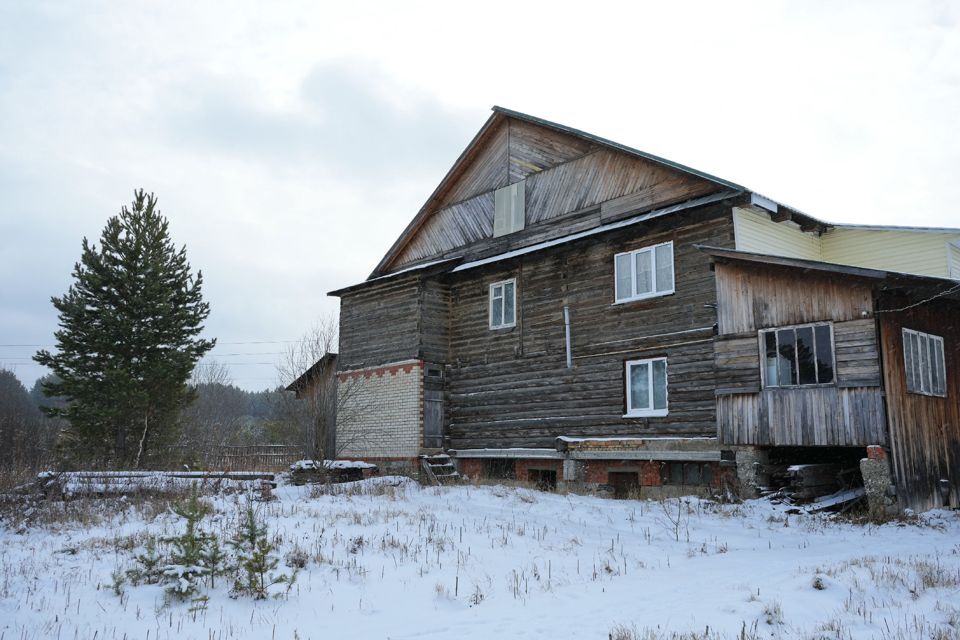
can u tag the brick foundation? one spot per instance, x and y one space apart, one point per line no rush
524 467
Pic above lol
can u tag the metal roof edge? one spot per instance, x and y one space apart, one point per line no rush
831 267
612 226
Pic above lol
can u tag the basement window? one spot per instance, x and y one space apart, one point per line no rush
687 473
797 356
924 363
503 304
646 388
644 273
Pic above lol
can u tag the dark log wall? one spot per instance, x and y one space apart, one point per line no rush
565 176
924 430
380 323
511 387
397 319
848 413
434 331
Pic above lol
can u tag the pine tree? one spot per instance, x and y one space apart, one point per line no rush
128 340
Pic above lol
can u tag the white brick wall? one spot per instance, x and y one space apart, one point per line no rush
380 411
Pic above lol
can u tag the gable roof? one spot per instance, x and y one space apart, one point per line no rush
486 134
448 191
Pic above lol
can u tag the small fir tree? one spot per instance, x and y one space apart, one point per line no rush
188 564
150 567
128 340
255 558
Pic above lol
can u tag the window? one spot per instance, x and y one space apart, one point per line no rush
503 304
508 209
647 387
924 363
644 273
687 473
797 356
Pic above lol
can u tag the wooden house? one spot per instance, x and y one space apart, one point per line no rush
547 315
819 355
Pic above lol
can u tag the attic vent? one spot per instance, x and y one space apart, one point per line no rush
508 214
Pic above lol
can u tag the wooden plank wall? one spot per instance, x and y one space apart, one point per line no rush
802 417
849 413
511 387
924 430
755 296
564 175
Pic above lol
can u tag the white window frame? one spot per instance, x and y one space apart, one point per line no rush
633 274
650 412
503 307
762 343
934 346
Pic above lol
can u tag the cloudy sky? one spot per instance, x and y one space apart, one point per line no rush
289 143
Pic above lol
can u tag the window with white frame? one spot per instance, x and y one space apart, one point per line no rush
647 387
797 356
503 304
644 273
925 366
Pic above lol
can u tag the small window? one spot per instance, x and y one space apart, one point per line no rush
797 356
503 304
508 209
644 273
924 363
647 388
687 473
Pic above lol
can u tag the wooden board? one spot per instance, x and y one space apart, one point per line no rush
755 297
924 430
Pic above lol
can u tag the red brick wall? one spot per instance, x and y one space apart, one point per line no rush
597 471
471 467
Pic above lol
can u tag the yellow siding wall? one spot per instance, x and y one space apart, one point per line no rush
926 253
954 250
923 253
755 232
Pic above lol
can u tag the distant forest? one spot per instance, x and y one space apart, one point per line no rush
221 414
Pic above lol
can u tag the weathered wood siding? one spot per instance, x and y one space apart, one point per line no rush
924 430
511 387
399 319
755 297
817 416
563 175
848 413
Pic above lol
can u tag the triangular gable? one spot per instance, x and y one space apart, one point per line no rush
566 171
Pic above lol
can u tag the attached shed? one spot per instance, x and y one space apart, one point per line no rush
819 355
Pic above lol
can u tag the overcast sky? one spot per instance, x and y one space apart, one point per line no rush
290 143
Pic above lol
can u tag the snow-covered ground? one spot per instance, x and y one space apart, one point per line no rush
497 562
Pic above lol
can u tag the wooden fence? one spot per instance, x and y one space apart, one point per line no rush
270 457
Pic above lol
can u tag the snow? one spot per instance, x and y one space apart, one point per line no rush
390 559
313 465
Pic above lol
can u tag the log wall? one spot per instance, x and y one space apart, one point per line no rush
511 387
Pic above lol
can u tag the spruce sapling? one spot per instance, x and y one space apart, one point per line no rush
255 558
187 566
